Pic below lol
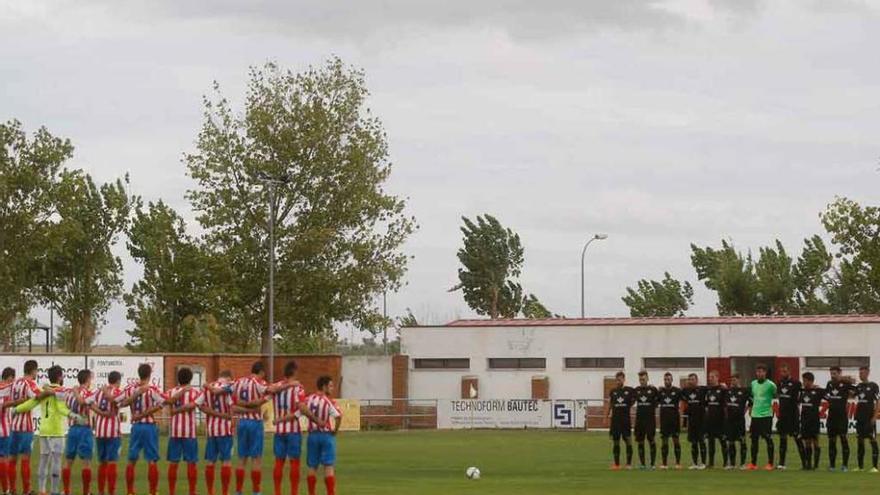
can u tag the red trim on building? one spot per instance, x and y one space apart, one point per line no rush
684 320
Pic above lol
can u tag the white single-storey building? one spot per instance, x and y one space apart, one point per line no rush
577 358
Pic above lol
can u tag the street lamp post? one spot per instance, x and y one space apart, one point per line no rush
597 237
271 183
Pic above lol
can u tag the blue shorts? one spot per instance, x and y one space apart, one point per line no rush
186 448
322 449
218 449
21 443
4 446
144 437
80 443
287 445
250 438
108 449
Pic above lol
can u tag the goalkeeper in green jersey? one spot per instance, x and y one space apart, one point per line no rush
54 414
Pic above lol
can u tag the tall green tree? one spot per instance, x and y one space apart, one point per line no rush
730 274
812 278
855 230
81 275
29 169
774 281
492 259
534 309
338 232
172 305
667 297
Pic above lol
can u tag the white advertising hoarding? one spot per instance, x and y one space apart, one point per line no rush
494 413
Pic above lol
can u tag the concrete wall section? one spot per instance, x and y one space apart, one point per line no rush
367 377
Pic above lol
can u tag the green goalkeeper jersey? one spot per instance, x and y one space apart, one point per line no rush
762 398
54 411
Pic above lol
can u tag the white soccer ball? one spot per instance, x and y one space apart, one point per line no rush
473 473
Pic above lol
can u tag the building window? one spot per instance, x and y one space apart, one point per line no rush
517 363
672 363
442 364
842 361
593 363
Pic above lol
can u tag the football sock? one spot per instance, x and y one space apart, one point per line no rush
225 479
312 481
172 478
702 451
800 447
653 448
783 448
129 478
742 451
629 454
817 454
4 478
65 479
770 449
616 451
676 445
277 474
26 474
860 453
731 451
664 451
86 475
112 475
711 452
102 478
153 477
874 453
695 453
724 456
808 454
844 450
832 452
256 478
192 476
294 476
239 480
209 478
642 453
330 482
10 474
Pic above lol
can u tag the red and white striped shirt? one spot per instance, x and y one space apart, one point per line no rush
183 425
5 413
284 403
144 401
324 408
88 398
249 389
107 400
24 388
220 403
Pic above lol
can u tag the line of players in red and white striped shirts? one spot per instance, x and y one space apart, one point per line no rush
232 409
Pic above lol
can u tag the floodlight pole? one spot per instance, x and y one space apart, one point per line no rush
596 237
271 184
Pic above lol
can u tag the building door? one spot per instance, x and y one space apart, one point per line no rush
794 367
721 365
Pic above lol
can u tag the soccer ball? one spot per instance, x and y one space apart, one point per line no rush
473 473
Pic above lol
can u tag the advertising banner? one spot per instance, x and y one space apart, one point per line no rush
351 414
494 413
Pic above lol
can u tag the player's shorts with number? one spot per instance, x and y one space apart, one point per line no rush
108 449
321 449
21 443
250 438
144 438
218 449
183 448
80 443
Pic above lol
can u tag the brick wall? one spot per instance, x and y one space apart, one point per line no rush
310 367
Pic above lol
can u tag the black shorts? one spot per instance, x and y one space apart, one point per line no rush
714 427
696 429
810 430
670 426
735 429
866 428
645 429
787 426
837 425
620 428
762 427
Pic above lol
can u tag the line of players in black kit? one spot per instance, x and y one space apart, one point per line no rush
716 414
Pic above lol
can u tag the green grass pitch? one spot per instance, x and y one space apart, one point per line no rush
526 462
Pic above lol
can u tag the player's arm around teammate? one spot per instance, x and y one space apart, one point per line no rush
217 407
322 436
80 437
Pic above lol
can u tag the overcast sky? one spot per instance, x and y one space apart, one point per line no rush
658 123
